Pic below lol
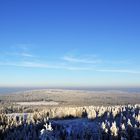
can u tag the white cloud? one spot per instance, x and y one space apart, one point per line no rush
26 54
30 64
93 59
20 54
119 71
82 63
19 50
81 60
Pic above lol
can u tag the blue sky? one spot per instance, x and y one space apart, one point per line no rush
69 43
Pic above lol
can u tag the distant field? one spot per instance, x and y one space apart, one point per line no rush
37 103
65 97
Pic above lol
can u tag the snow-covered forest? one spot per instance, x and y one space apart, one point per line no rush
73 123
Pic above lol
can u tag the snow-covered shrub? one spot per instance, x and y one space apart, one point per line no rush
103 126
138 118
114 129
123 127
91 113
129 123
101 111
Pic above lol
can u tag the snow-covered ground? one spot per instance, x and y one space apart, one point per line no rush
51 103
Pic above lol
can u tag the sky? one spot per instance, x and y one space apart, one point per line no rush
76 43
